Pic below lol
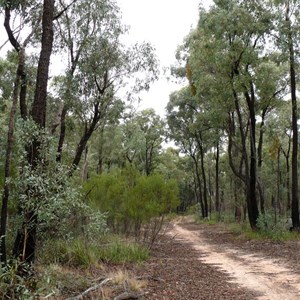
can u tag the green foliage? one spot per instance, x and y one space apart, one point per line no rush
267 229
81 253
72 252
130 199
124 252
12 284
273 228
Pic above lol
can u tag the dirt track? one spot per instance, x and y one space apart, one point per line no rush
208 262
271 279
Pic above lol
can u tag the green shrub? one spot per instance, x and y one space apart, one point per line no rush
271 229
131 200
75 252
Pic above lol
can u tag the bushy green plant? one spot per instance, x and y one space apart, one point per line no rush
72 252
12 284
266 223
131 200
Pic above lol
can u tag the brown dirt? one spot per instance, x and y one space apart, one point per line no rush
209 262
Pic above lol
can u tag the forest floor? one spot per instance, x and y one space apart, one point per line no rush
212 262
201 261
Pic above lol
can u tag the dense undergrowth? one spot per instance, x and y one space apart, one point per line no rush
66 267
116 223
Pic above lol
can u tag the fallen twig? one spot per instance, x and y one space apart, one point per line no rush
91 289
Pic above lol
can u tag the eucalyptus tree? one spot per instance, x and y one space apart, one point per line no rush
226 50
101 74
174 166
99 66
25 243
287 37
279 142
76 29
132 138
26 238
21 10
152 127
187 126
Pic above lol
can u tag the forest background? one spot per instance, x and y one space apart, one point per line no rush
79 160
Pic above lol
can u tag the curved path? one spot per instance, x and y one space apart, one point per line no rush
271 279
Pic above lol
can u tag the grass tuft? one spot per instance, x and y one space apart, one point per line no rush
124 252
80 253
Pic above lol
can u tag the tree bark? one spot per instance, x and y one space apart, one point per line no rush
217 179
253 212
204 182
62 134
295 197
7 170
198 187
25 243
86 136
287 165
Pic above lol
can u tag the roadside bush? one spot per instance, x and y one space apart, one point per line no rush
135 204
266 223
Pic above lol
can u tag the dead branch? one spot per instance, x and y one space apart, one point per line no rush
91 289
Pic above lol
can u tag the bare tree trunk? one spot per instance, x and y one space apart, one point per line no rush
217 179
20 78
7 170
62 134
287 166
204 183
86 136
198 188
25 243
295 197
253 212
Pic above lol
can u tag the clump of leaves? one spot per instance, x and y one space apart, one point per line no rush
13 285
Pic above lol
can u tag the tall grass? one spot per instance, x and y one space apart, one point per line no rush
81 253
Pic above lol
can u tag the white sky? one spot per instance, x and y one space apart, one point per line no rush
163 23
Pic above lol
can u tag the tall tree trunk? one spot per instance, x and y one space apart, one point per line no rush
25 243
253 212
295 197
7 170
19 84
62 134
86 136
287 166
204 182
217 179
198 187
100 152
260 160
